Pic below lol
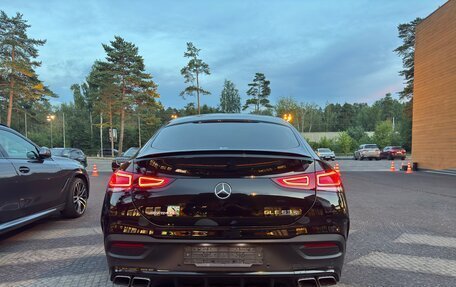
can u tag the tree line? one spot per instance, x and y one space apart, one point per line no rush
119 94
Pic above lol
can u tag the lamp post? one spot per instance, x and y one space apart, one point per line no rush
50 118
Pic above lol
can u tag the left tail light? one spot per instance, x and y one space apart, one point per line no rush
326 180
123 180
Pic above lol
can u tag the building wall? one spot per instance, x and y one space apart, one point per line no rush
434 99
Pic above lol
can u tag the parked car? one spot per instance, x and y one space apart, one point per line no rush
370 151
197 200
326 154
393 152
128 154
34 184
108 152
73 153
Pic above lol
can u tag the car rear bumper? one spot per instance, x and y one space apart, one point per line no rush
281 259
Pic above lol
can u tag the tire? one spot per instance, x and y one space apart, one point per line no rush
390 157
403 158
370 158
377 158
76 202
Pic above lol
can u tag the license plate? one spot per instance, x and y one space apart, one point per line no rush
223 256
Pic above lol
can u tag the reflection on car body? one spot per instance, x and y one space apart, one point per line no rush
197 204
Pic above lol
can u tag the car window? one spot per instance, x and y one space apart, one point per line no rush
371 146
15 146
225 136
74 154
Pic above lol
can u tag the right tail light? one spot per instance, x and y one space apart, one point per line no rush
327 180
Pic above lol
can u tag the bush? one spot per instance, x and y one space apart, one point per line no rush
383 135
345 143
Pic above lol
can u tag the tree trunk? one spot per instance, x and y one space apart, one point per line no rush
198 92
122 118
112 130
11 92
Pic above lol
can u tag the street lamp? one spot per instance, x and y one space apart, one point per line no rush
51 118
287 117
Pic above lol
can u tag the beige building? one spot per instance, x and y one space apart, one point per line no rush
434 99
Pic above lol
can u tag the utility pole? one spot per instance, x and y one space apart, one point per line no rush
101 134
394 125
25 122
63 120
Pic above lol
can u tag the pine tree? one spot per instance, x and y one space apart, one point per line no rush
128 70
230 101
407 52
192 73
105 94
18 52
259 92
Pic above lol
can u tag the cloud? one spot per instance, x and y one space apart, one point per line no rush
314 51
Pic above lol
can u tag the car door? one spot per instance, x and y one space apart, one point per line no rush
39 185
9 200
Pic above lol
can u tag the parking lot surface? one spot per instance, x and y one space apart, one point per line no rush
403 233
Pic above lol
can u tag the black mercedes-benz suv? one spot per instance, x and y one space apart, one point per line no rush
35 184
225 199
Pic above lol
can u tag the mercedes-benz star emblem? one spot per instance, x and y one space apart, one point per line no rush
222 190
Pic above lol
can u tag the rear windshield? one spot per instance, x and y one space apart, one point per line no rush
324 150
370 146
226 136
396 147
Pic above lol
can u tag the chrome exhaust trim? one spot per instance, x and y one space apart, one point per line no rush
308 282
140 282
122 280
327 280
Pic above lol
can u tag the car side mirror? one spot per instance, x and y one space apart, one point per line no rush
44 152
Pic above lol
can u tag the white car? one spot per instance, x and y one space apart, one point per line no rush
370 151
326 154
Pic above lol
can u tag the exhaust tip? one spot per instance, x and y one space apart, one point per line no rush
122 280
327 280
140 282
307 282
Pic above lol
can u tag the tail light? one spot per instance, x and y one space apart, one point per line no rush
122 180
327 180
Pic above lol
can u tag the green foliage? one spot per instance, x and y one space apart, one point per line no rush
356 133
18 54
192 73
134 85
259 92
407 52
230 101
345 143
383 135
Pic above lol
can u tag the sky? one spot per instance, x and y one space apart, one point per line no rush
314 51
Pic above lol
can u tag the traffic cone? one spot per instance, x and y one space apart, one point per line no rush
392 168
409 168
336 168
94 170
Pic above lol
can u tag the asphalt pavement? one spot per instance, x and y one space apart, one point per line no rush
403 233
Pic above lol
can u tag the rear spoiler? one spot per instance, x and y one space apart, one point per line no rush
227 153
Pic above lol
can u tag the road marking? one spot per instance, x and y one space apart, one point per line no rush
423 239
427 265
38 255
441 172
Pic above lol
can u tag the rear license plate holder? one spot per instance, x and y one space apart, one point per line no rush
223 256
